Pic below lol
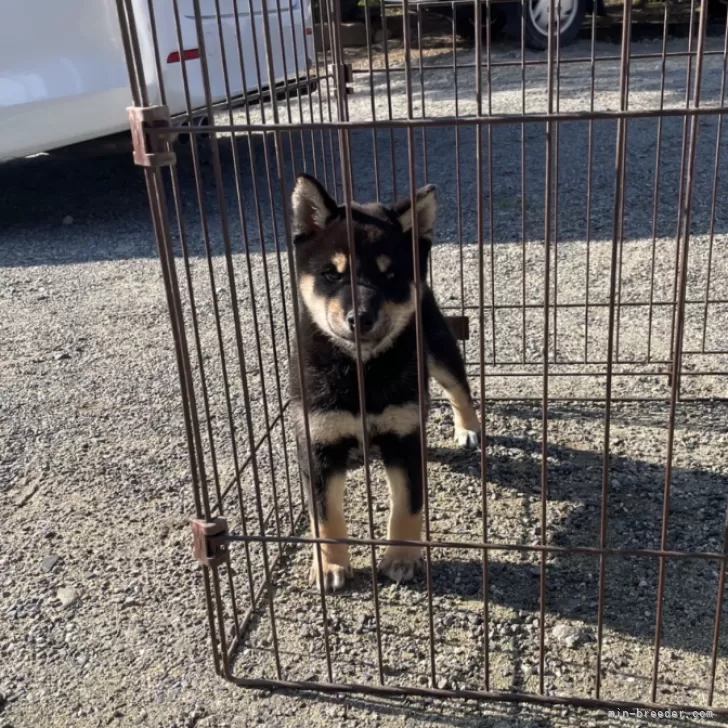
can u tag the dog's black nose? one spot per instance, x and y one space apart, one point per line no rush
366 321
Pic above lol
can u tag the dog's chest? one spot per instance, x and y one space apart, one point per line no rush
389 381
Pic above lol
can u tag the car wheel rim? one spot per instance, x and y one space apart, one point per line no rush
540 11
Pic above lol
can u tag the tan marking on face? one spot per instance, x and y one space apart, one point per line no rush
335 309
328 427
315 304
333 556
340 262
403 524
383 263
464 414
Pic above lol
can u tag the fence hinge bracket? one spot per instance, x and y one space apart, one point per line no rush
209 545
150 150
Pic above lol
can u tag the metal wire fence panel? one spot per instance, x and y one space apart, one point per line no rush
578 556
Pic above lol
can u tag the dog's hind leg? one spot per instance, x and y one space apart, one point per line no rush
402 458
447 367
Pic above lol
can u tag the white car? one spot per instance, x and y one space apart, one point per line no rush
63 75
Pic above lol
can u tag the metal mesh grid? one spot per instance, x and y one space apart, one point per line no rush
569 203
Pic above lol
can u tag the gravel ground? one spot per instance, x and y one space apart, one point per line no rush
103 610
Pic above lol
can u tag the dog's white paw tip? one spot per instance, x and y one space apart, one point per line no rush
334 576
469 439
401 569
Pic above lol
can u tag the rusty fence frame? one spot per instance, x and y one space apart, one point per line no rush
153 130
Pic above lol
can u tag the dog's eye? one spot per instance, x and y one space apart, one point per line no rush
331 274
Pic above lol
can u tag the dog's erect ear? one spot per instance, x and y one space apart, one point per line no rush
312 206
426 210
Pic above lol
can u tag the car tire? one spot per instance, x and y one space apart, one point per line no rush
536 25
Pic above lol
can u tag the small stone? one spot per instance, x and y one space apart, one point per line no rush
61 355
643 583
68 220
26 494
67 596
567 635
49 562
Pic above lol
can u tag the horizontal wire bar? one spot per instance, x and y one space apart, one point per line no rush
471 546
513 697
663 373
586 60
582 305
446 121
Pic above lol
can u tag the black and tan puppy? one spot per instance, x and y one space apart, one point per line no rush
386 322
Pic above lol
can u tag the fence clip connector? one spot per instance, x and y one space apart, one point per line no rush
209 544
150 149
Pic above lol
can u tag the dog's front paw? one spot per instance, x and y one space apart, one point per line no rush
401 563
469 439
332 575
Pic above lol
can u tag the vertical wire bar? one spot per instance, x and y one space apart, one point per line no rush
308 451
523 182
220 611
387 75
682 179
239 345
679 333
424 129
658 171
557 155
299 77
481 324
309 87
458 180
375 141
320 78
193 449
348 189
622 216
155 187
422 374
491 221
267 162
213 291
326 17
268 167
716 175
174 179
546 317
132 55
246 247
590 179
618 214
286 91
160 220
348 183
209 599
266 272
718 612
157 56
